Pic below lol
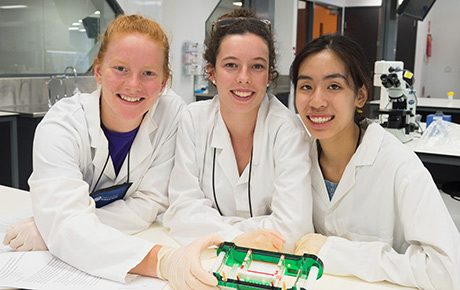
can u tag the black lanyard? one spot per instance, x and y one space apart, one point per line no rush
105 165
214 188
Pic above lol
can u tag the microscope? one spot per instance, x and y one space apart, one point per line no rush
397 99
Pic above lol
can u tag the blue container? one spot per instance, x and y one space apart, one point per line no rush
438 116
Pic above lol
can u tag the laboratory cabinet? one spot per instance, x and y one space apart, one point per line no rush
8 150
25 135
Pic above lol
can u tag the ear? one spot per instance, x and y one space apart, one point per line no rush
270 74
362 97
163 85
97 71
211 73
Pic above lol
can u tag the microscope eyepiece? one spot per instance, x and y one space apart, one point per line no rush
386 81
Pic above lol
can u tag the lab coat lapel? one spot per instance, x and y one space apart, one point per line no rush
365 155
225 157
258 132
142 142
98 141
347 181
317 178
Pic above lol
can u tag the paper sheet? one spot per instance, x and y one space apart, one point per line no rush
40 270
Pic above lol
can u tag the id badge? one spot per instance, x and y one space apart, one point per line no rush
105 196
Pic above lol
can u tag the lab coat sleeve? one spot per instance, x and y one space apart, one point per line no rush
136 212
191 214
291 204
65 213
431 260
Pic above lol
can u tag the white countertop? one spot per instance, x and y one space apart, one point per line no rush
14 199
7 114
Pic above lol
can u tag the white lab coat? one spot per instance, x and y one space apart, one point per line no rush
280 177
70 150
386 220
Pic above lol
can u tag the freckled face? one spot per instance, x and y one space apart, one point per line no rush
132 78
241 73
325 96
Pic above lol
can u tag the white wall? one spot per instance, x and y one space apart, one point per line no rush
182 20
285 33
185 21
441 73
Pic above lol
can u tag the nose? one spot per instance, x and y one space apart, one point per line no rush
134 81
318 99
244 76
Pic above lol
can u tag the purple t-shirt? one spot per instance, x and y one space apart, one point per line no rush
119 145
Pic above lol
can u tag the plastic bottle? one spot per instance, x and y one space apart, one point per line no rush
450 97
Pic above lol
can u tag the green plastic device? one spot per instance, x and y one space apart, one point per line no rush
250 269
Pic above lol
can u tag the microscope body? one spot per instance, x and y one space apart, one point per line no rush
397 100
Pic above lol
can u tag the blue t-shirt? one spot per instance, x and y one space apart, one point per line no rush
119 145
331 187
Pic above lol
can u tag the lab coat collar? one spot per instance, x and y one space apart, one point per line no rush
365 155
221 140
259 131
141 141
99 143
370 145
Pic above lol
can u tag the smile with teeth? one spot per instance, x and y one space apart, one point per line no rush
320 120
128 99
242 94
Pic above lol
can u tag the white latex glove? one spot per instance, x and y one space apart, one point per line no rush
182 266
268 240
310 243
24 236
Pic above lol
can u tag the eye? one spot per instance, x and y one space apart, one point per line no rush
230 65
259 66
305 87
120 68
335 87
149 73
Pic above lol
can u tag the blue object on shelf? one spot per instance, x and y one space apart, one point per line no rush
438 116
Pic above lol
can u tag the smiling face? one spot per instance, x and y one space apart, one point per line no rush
132 77
241 73
326 99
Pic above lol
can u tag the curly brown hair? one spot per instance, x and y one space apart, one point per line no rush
241 26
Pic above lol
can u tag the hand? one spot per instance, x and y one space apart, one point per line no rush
182 266
268 240
24 236
310 243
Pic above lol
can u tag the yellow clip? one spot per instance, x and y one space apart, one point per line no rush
408 74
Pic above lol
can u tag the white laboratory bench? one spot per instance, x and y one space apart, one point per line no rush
14 199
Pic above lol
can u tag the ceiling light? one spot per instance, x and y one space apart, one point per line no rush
13 6
238 3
